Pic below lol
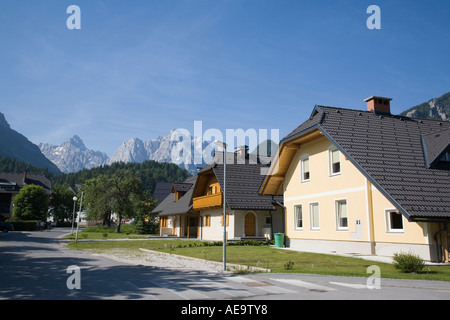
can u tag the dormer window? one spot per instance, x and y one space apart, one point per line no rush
213 189
436 149
445 157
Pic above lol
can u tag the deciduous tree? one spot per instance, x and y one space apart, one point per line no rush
31 203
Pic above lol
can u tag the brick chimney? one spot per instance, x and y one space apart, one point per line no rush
378 104
242 152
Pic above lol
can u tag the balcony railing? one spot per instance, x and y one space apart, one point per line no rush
209 201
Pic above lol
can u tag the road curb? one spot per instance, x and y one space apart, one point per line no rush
230 266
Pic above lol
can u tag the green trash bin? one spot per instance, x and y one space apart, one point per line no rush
279 240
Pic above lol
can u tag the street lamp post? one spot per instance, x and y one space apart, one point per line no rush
73 215
79 216
224 146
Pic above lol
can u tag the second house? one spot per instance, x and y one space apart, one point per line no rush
194 209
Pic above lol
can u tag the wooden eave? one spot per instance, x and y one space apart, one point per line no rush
200 199
273 183
202 180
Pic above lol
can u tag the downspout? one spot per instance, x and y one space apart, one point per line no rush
282 219
282 216
436 235
370 218
271 224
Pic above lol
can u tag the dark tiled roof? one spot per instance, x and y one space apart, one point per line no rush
388 151
181 187
162 190
169 206
243 183
19 181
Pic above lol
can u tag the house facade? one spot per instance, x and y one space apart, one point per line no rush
176 217
249 214
195 208
365 182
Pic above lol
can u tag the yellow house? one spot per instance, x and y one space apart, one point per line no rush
365 182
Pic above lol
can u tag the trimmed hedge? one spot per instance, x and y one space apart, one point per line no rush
29 225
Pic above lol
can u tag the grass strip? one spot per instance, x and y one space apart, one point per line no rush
278 260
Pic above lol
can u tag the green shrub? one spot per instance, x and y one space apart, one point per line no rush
128 228
29 225
289 265
408 262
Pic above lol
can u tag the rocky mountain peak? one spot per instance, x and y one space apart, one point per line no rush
72 155
3 122
76 141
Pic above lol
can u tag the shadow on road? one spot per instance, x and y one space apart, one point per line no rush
34 266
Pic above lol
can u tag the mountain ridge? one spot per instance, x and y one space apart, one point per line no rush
16 146
436 108
162 149
73 155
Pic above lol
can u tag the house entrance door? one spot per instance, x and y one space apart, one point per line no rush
192 227
250 224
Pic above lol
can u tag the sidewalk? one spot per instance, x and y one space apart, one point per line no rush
383 259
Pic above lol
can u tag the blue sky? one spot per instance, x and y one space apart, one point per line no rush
140 68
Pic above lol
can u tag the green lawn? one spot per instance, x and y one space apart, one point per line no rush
278 260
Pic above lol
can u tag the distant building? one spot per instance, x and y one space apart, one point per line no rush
10 185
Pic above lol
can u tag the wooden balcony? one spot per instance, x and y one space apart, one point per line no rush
209 201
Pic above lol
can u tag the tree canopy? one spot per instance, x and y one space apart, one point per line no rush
61 203
31 203
106 195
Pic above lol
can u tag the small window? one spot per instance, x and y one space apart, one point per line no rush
314 216
335 161
267 220
228 220
445 157
394 221
341 215
207 221
305 170
298 217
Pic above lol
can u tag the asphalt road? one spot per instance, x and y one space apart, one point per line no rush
33 265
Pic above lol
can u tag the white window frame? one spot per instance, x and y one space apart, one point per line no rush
337 214
389 228
302 168
311 217
330 157
296 227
